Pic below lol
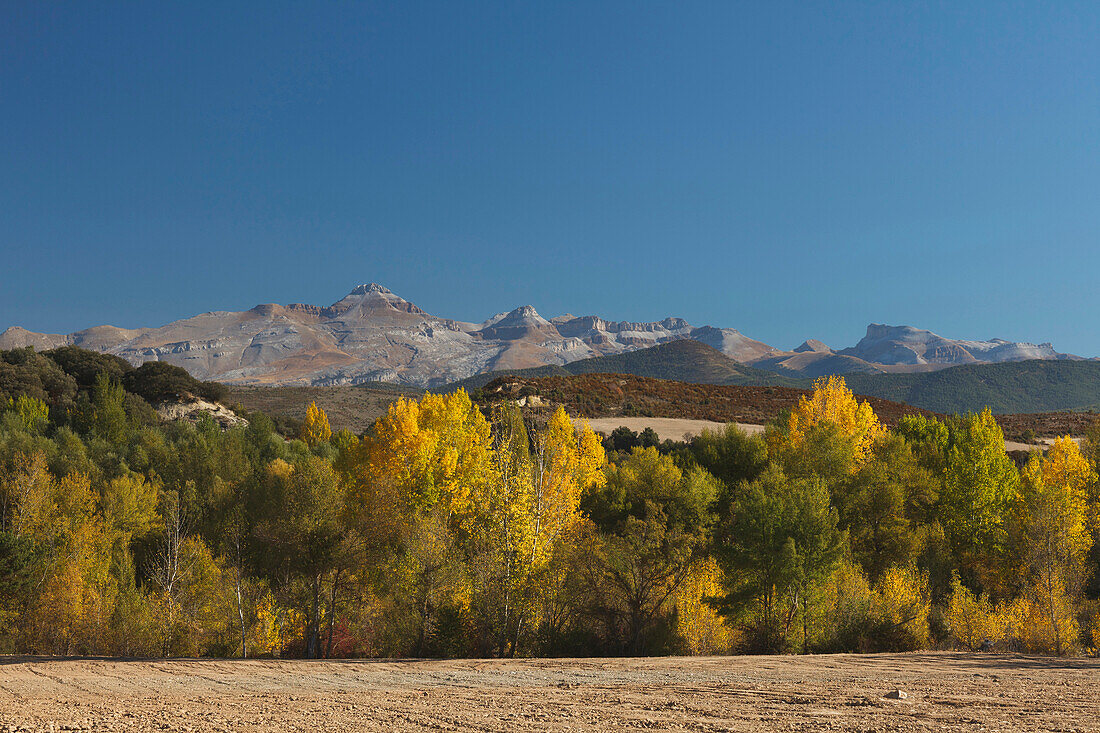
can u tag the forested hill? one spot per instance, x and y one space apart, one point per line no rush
624 395
1023 386
682 361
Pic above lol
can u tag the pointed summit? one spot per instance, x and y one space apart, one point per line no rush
366 288
813 345
525 315
520 323
372 298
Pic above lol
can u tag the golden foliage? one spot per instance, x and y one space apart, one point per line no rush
974 620
267 635
903 599
565 465
1045 624
1054 509
831 402
315 428
430 452
697 622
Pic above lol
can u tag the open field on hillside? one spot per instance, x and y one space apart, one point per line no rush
946 691
667 428
351 407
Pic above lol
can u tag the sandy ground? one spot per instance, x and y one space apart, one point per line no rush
946 691
668 428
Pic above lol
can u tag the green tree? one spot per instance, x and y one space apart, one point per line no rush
301 534
980 487
780 542
730 455
653 520
885 506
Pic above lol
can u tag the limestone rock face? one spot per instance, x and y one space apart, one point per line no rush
193 409
913 346
372 334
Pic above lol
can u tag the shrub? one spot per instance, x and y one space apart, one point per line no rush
973 620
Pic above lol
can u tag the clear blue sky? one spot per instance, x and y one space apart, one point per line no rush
792 170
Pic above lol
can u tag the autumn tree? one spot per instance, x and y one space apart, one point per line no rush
565 463
700 626
315 428
1052 534
427 452
973 619
417 484
832 403
501 567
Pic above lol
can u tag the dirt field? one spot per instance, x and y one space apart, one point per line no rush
667 428
946 691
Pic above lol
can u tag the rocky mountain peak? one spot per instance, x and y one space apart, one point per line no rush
524 315
812 345
372 334
879 331
367 288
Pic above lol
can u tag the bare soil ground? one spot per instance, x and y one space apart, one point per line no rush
667 428
946 691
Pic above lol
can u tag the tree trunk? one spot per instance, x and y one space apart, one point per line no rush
332 612
805 625
240 612
313 633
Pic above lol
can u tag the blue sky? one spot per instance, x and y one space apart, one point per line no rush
792 170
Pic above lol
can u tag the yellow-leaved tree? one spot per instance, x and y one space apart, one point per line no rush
902 602
315 428
529 507
72 600
565 463
704 631
1053 540
427 453
830 405
974 620
414 487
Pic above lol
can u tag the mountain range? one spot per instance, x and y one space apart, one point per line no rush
1029 386
373 335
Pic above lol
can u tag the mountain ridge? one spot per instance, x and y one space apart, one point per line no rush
372 335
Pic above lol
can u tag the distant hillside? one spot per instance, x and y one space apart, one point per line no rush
622 395
1045 385
618 395
354 408
684 360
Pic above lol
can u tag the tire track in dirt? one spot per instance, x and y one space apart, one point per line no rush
953 692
